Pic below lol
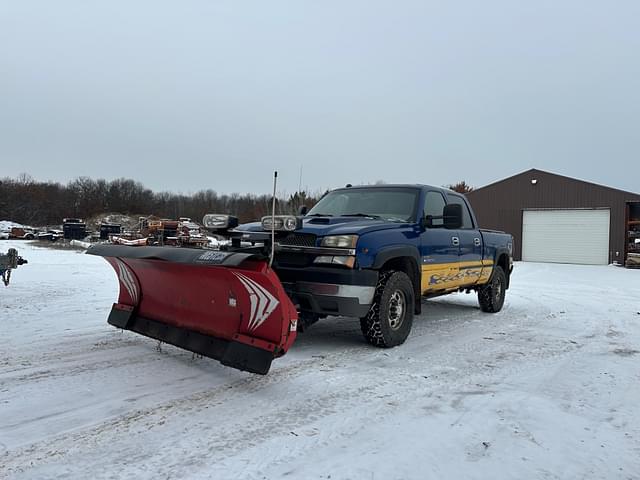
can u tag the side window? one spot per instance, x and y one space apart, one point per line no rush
433 205
466 216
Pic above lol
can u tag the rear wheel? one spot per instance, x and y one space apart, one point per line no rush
491 296
390 317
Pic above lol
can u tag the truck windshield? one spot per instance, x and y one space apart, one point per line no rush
392 204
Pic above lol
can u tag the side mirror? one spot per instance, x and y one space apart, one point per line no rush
303 210
452 214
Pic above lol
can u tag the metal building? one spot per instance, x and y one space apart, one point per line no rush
554 218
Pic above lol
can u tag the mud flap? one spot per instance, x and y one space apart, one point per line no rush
222 305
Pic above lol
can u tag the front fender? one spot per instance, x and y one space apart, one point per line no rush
396 251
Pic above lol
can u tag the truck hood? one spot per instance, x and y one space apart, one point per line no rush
322 226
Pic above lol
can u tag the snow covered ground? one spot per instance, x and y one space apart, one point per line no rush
548 388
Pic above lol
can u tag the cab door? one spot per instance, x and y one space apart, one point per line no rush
470 239
440 248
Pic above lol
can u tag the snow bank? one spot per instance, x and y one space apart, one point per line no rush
8 225
80 244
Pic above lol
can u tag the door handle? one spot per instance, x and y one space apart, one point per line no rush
476 242
455 241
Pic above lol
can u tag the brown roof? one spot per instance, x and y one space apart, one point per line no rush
535 171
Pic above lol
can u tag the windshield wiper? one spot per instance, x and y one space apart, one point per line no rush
319 215
368 215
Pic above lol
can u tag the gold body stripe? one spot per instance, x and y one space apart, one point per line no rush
451 276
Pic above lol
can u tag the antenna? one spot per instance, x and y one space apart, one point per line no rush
273 219
300 180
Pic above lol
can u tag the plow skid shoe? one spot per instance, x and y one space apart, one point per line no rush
228 306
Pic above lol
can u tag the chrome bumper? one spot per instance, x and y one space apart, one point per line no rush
363 294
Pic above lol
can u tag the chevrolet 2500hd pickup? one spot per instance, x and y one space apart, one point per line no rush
373 252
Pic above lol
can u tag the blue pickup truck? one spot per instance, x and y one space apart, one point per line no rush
373 252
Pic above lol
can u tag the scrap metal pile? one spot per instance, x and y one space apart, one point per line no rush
633 236
164 232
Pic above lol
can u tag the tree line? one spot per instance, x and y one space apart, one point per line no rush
27 201
30 202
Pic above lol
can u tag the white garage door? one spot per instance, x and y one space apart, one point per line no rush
566 236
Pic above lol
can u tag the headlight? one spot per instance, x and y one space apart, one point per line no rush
340 241
219 222
288 223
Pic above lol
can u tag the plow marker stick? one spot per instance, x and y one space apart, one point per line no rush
229 306
273 219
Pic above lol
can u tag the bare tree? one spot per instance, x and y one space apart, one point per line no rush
460 187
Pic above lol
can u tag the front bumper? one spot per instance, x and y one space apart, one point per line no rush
330 291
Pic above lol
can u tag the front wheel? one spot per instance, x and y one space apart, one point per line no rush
491 296
390 317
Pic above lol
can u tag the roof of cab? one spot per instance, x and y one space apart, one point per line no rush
397 185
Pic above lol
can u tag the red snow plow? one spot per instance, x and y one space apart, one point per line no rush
225 305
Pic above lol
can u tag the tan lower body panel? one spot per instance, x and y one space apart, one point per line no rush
446 276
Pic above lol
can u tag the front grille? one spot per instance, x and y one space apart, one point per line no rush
299 240
295 260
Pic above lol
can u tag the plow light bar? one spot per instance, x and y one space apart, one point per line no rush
219 222
285 223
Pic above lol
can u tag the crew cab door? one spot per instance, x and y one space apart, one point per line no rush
440 249
471 245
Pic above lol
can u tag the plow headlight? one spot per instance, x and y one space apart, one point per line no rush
287 223
215 221
340 241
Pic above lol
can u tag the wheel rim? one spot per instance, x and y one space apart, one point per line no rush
498 290
397 307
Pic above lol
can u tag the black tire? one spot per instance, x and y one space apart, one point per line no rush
390 317
491 296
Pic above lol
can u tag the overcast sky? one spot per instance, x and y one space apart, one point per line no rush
186 95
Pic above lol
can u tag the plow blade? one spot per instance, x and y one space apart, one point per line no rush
229 306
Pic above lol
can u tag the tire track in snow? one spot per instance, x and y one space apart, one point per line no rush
269 421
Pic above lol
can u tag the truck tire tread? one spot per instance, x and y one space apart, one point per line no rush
375 325
491 296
